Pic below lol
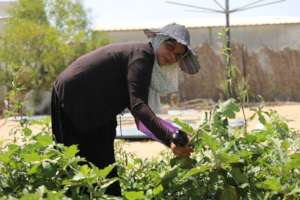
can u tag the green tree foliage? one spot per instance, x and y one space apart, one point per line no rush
42 37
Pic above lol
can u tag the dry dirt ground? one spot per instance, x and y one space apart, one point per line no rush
147 149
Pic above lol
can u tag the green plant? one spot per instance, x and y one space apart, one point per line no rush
260 164
234 85
34 167
227 164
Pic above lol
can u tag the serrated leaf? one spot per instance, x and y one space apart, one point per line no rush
71 151
104 172
85 170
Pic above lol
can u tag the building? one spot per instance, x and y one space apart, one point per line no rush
266 51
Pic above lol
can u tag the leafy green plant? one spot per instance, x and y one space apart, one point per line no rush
235 85
260 164
34 167
227 164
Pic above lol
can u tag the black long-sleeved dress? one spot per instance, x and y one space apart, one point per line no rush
101 84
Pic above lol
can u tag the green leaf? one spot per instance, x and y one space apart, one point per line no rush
229 193
85 170
78 176
44 140
31 157
285 145
270 184
159 189
184 126
53 195
104 172
295 156
34 169
27 131
244 154
296 190
261 118
227 158
169 175
292 163
34 196
12 148
238 176
134 195
228 108
183 162
70 152
5 158
211 142
196 170
49 169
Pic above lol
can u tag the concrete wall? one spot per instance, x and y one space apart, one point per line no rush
268 56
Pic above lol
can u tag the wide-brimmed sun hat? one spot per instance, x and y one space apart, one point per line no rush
189 63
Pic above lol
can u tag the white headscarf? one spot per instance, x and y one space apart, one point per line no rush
162 79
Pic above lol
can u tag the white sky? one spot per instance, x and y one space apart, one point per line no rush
107 14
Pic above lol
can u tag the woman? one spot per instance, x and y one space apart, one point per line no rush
88 95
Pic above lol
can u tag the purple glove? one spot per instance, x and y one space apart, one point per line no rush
141 127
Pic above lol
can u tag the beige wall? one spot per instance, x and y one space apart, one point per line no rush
268 56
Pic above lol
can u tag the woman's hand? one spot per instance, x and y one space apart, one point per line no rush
181 151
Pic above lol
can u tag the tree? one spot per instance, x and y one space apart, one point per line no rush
41 38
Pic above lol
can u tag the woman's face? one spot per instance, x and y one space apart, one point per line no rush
170 52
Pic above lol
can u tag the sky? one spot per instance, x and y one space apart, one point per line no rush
118 14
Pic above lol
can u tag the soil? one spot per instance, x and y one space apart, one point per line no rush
147 149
